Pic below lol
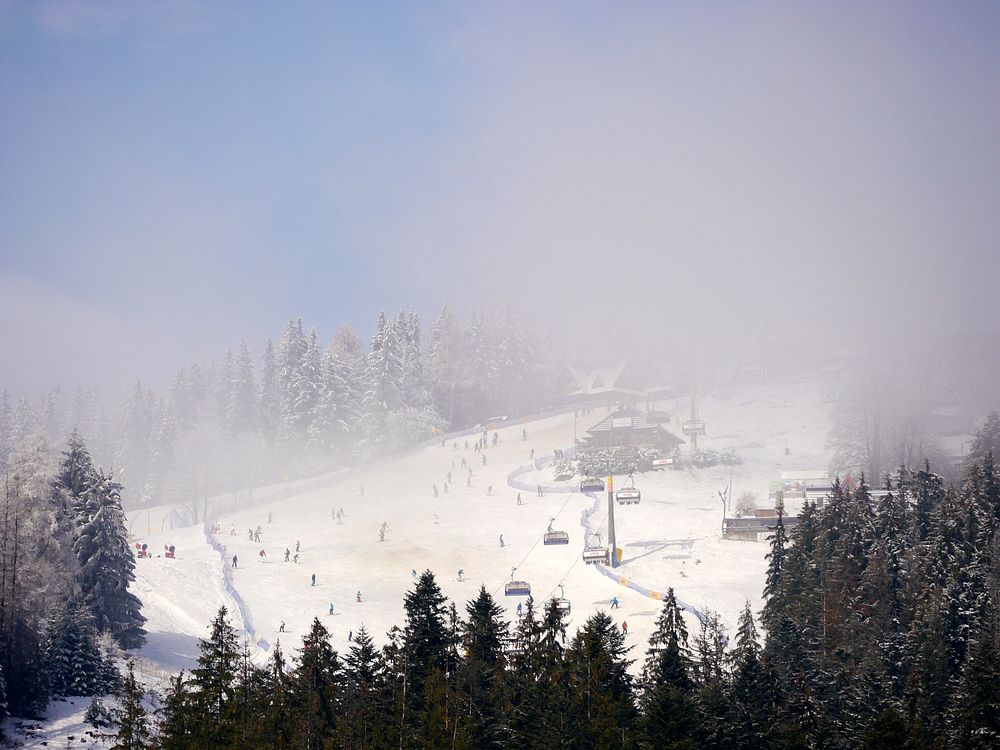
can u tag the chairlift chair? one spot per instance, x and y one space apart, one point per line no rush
562 603
628 495
596 552
516 588
554 537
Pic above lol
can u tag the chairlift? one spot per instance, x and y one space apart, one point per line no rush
628 495
596 552
562 603
516 588
592 484
555 537
513 646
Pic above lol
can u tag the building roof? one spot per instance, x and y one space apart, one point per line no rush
631 420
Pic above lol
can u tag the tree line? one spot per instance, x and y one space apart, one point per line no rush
299 407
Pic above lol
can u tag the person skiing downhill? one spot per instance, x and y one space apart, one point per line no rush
484 459
313 579
518 498
235 561
288 552
295 559
489 491
435 488
281 628
359 596
436 519
624 628
262 554
519 609
524 435
297 545
461 574
331 608
501 541
540 494
614 602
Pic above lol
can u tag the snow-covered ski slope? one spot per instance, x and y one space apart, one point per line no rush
673 538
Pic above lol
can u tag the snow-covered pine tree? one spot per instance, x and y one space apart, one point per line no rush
308 391
224 393
291 359
23 422
381 394
268 398
444 364
242 407
482 365
774 606
480 674
107 566
135 439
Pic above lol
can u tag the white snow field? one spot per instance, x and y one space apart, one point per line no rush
672 538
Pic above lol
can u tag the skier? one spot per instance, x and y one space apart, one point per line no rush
270 518
262 554
232 530
436 519
489 491
288 552
466 445
463 463
413 573
614 602
250 534
435 488
314 579
531 455
295 558
446 488
484 459
540 491
350 635
624 628
518 498
359 597
449 478
496 439
281 628
477 447
461 575
256 535
468 482
331 608
381 535
235 561
297 545
524 435
501 541
519 609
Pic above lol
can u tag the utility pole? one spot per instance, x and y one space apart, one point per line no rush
612 538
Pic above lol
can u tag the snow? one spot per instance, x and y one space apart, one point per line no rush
672 538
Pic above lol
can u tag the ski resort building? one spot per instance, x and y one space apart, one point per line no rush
630 428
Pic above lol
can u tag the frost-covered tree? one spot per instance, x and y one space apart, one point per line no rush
107 566
129 718
444 363
243 396
268 397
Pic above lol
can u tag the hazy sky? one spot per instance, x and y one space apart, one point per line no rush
177 174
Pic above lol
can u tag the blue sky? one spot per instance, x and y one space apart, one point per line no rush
177 174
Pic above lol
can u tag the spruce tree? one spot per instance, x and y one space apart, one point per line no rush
774 605
107 566
481 675
213 720
129 717
602 703
276 723
315 689
669 717
362 725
